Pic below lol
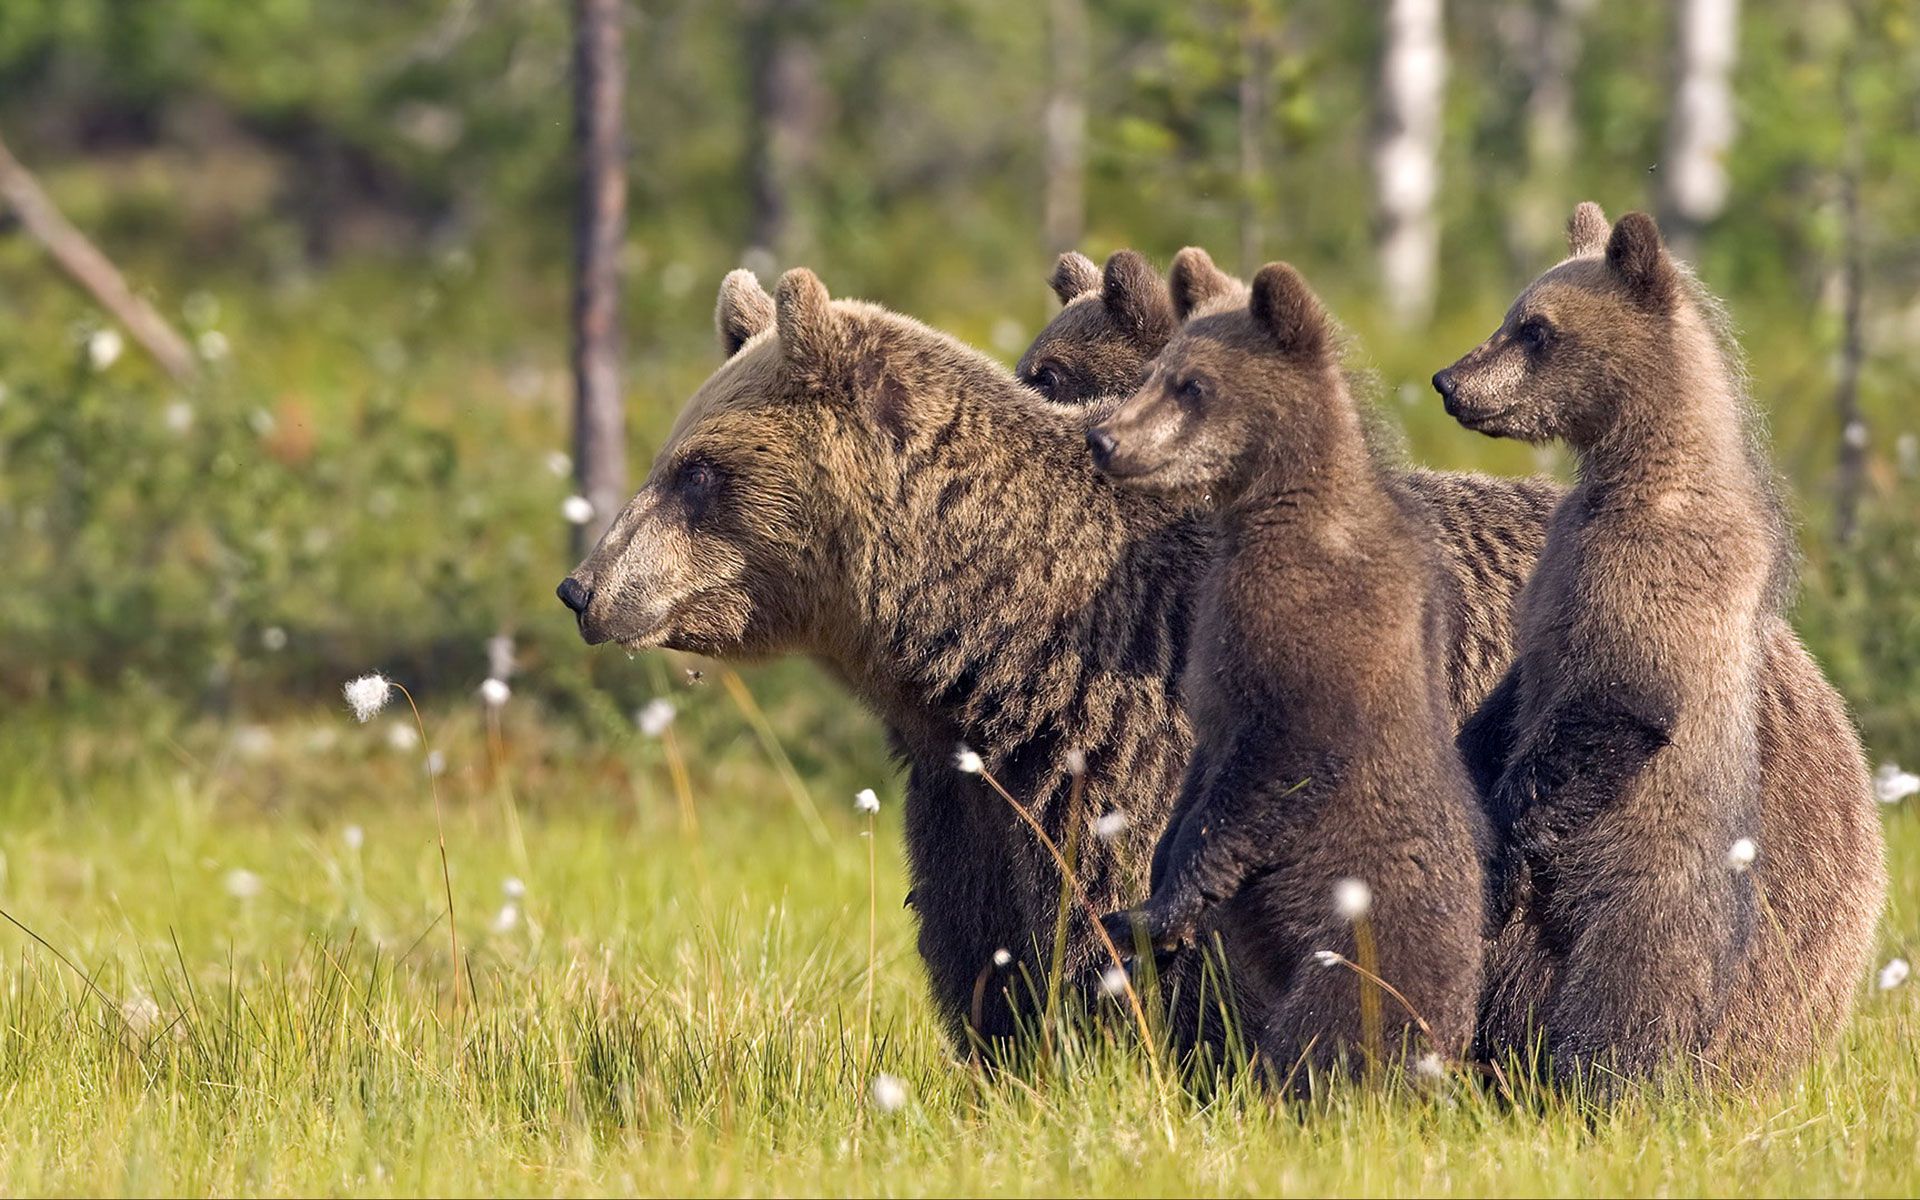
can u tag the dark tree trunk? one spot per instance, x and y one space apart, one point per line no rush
1066 125
1548 44
1854 434
788 108
600 224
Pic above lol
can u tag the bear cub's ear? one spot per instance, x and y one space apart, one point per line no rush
1639 260
1288 310
1194 280
1074 275
1587 230
811 332
743 310
1137 299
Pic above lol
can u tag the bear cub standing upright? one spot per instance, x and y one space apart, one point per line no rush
1620 752
1325 807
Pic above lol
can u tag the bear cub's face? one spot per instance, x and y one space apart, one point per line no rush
1111 325
1228 385
1574 341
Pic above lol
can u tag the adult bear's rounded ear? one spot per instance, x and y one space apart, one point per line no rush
743 310
1137 300
1074 275
1287 309
1194 280
1639 260
1587 230
812 334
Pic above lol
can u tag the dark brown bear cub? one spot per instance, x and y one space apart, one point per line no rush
1621 750
1325 783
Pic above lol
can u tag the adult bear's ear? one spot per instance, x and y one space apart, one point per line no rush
743 310
1640 262
1136 298
1074 275
1194 280
812 335
1587 230
1288 310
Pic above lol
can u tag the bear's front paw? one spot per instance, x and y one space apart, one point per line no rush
1132 928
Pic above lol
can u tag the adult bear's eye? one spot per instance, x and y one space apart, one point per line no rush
1534 334
697 477
1046 381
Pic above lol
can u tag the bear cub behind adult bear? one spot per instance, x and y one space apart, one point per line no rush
1325 780
1621 750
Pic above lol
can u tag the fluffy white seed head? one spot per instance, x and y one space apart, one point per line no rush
889 1094
1352 898
367 695
402 736
1108 826
1894 974
507 919
1328 958
243 884
354 836
436 763
967 762
559 465
213 345
104 348
178 417
513 887
578 510
1428 1068
495 693
1891 785
1076 763
865 801
654 717
1113 982
1002 958
273 639
1741 854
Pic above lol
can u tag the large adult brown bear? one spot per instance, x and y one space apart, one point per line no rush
856 487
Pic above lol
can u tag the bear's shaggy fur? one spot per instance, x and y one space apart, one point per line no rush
847 486
1316 685
1622 753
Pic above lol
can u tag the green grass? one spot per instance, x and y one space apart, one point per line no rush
674 1011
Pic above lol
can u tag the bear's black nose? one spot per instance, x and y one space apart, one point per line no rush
1102 444
574 594
1443 383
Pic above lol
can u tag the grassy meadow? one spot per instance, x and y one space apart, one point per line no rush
239 981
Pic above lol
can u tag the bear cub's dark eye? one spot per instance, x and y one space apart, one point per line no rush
1534 333
1046 381
1191 390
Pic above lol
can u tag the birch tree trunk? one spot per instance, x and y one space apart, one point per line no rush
600 226
1693 171
1406 156
1066 125
1257 44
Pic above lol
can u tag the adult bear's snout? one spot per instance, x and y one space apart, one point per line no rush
575 595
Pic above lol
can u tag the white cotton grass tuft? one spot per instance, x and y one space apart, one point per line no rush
865 801
178 417
513 888
1352 898
1329 958
888 1092
367 695
1108 826
1741 854
559 464
1076 763
578 510
1429 1068
243 884
354 836
495 693
506 920
213 345
1891 785
140 1014
273 639
104 348
967 762
402 737
1113 982
436 763
654 717
1894 974
1002 957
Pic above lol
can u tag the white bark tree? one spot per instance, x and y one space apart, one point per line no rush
1066 125
1406 156
1693 171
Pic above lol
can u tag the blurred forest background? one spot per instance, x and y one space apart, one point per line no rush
359 215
